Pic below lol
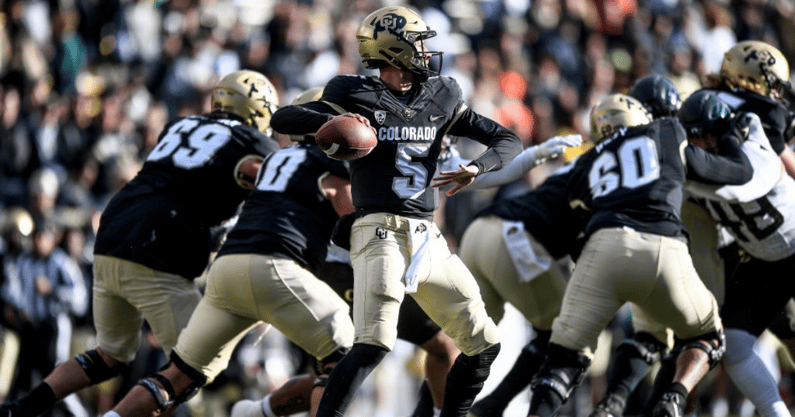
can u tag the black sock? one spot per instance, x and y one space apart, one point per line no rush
425 404
39 400
465 381
518 378
346 378
679 389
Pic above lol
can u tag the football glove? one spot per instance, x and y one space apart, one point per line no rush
553 147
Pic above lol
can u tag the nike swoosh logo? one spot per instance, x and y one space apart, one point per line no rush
435 117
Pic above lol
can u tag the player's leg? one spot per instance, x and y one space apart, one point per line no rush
749 308
649 342
451 297
536 292
681 301
414 326
118 325
590 302
379 255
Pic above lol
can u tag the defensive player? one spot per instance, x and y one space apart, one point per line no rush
154 235
760 216
632 182
395 246
265 271
754 78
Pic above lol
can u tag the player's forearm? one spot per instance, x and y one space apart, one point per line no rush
298 120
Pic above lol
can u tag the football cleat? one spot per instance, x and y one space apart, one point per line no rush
614 112
672 404
248 95
611 405
487 408
396 36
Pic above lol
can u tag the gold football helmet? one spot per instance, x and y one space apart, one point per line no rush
308 96
755 66
247 94
616 111
396 35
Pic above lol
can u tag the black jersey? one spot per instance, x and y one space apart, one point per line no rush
396 176
774 115
162 218
286 213
546 214
634 179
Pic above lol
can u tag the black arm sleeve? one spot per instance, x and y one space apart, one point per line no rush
503 144
732 167
302 119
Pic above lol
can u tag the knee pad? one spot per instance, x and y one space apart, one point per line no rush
198 378
95 367
644 346
563 371
714 351
322 366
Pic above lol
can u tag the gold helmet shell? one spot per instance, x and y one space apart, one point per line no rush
247 94
308 96
396 35
614 112
755 66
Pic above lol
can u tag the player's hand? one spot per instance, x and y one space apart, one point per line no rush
358 117
462 177
553 147
740 126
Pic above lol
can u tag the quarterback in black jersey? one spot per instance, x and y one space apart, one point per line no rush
395 246
265 271
154 235
635 250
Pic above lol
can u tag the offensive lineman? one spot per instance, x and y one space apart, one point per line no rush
395 246
632 182
265 271
154 235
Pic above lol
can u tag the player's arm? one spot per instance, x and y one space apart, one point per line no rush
303 118
503 145
338 191
730 166
518 166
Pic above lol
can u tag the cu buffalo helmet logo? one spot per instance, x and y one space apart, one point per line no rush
391 22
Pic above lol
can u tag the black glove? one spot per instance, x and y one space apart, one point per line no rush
740 126
341 236
789 132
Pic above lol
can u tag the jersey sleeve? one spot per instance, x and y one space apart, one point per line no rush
503 144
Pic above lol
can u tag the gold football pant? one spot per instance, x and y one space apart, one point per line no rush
381 254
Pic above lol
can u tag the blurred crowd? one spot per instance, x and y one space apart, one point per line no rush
86 87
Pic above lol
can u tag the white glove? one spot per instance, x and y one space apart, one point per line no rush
555 146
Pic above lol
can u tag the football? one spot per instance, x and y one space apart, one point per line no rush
346 138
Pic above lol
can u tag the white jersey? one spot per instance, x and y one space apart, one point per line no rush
759 214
